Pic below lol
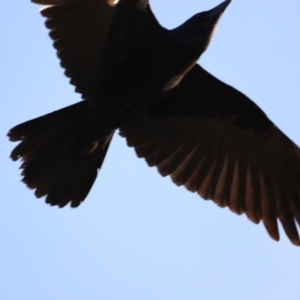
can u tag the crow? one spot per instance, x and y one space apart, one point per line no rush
141 79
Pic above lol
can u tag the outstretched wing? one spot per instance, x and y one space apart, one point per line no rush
215 141
87 33
79 29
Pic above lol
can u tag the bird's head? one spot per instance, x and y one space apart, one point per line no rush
196 33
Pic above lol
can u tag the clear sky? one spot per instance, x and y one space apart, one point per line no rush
138 236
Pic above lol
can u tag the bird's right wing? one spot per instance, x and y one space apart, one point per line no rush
215 141
93 36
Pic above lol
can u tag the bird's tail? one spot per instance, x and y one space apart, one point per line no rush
61 153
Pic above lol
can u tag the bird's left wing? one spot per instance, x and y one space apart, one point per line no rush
215 141
79 29
93 36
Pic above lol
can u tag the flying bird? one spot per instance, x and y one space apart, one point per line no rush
141 79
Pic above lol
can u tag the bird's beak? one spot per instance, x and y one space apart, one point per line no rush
214 14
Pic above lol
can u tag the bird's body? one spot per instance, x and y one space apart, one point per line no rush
144 80
158 56
139 71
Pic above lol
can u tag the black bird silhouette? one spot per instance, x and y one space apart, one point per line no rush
142 79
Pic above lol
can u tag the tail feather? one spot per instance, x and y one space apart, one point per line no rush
60 157
47 123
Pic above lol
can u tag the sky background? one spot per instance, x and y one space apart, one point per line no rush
137 235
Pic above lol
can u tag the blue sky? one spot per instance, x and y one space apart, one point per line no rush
138 236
